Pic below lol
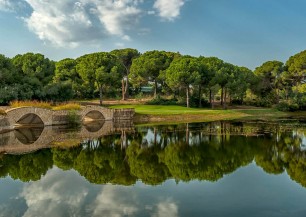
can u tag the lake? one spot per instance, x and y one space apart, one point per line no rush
196 169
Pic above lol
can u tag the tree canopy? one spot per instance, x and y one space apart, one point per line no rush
174 78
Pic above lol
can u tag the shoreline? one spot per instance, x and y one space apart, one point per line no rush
143 119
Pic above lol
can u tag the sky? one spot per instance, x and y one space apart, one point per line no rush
242 32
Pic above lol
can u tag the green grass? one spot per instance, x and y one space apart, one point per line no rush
178 114
166 114
268 114
170 110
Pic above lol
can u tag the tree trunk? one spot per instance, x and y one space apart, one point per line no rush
123 89
210 97
100 92
222 95
126 90
187 133
155 88
123 139
125 83
200 96
187 96
224 101
277 95
155 136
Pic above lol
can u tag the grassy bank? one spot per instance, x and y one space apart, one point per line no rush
46 105
177 114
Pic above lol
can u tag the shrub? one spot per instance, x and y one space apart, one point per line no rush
161 101
287 106
260 102
139 96
68 106
73 119
194 102
237 102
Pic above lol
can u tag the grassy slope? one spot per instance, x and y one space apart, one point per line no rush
158 113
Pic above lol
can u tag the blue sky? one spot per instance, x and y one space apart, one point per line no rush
243 32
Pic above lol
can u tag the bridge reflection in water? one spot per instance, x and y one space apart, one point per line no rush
26 140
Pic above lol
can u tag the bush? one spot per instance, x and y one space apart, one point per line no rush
287 107
59 92
194 102
8 94
260 102
161 101
237 102
73 119
139 96
69 106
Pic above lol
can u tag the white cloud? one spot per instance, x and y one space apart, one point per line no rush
5 5
11 5
144 31
126 38
52 196
117 16
166 209
151 12
71 22
115 201
119 44
168 9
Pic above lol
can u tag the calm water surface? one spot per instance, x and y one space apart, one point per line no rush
205 169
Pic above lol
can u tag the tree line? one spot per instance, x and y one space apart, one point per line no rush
173 154
181 79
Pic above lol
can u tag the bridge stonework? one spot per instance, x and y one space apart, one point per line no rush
107 113
32 115
16 114
54 136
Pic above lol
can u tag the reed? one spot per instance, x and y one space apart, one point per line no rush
67 106
32 103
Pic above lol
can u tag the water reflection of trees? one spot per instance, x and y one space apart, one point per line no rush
183 152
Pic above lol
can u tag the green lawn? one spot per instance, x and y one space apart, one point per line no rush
171 110
161 113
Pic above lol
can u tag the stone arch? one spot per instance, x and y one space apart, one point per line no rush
93 115
94 126
28 136
30 119
96 113
22 115
16 145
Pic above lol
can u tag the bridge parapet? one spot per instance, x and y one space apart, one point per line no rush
123 114
47 117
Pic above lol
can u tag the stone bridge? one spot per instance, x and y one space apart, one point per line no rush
33 116
26 140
